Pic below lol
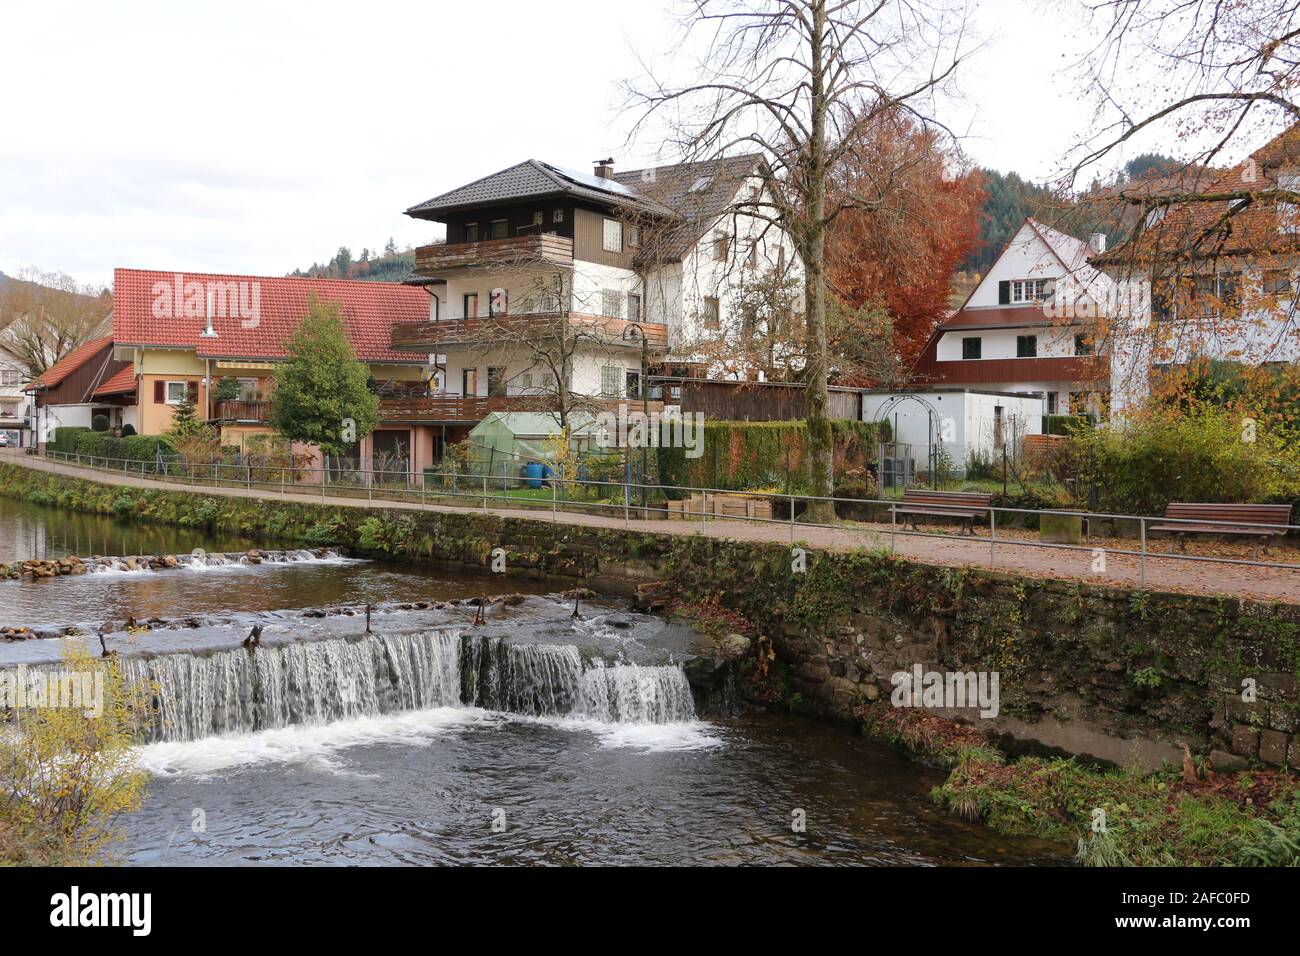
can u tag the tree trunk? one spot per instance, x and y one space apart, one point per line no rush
817 396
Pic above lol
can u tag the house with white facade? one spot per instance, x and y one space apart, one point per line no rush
15 404
1221 276
597 279
1030 327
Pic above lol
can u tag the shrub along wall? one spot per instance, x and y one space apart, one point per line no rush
1124 675
741 456
129 448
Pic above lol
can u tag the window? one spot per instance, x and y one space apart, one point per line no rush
633 307
1082 345
612 238
469 382
1052 402
721 248
1288 213
611 303
1155 217
526 382
496 382
1026 346
609 381
538 218
471 305
633 383
471 232
1029 290
10 376
500 229
1276 284
557 215
712 313
176 392
633 237
971 348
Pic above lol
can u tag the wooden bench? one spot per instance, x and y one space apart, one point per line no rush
965 506
1243 521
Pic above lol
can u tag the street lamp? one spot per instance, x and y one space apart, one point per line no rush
638 332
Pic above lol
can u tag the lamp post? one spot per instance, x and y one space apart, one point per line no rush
638 332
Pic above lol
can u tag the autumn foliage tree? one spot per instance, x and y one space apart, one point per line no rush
900 253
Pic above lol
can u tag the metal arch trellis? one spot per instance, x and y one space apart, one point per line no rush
889 406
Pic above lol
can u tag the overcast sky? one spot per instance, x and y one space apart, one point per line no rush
259 137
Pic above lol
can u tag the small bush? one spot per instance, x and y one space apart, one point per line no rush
128 430
1165 455
99 423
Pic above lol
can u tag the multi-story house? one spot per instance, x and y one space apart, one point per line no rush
1030 326
558 288
15 404
184 333
1220 274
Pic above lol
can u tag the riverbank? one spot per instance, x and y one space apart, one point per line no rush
1118 675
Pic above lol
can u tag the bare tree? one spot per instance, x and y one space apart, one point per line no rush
794 80
45 315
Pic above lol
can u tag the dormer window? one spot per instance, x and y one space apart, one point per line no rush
701 184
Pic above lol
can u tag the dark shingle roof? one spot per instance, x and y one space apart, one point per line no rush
692 195
526 180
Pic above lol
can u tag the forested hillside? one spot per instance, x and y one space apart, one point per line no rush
391 265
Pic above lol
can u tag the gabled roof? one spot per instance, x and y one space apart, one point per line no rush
530 179
369 309
696 193
1204 228
65 366
122 383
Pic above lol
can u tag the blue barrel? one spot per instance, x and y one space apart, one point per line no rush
533 472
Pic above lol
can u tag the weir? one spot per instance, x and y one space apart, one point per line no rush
318 682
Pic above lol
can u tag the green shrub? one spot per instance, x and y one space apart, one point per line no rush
1142 465
1065 424
128 430
99 423
64 438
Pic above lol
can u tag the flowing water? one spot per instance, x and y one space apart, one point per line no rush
534 737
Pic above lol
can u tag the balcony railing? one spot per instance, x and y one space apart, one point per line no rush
240 412
521 252
457 409
464 333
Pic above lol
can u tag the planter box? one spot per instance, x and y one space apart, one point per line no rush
721 506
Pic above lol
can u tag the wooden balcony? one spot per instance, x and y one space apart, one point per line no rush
1082 369
451 334
521 252
458 410
243 412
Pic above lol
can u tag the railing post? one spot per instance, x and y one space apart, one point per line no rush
555 516
792 519
993 536
627 503
485 491
893 528
1142 572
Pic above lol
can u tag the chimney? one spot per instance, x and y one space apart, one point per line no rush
1097 243
605 168
208 331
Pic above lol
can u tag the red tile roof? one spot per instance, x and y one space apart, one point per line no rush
65 366
143 313
122 383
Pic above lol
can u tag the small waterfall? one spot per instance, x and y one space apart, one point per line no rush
318 682
202 561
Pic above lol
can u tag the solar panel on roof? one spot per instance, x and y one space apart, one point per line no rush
594 182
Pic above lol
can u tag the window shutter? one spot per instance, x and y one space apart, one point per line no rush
159 392
1004 292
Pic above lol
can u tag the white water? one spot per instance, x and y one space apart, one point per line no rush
301 703
203 561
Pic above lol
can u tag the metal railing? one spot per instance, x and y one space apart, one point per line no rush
581 496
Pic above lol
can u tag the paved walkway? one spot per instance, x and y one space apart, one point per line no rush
1162 573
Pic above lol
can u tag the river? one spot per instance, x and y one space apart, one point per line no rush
532 738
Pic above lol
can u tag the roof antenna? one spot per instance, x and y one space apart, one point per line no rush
208 331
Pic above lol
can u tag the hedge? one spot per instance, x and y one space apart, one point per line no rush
130 448
65 438
745 456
